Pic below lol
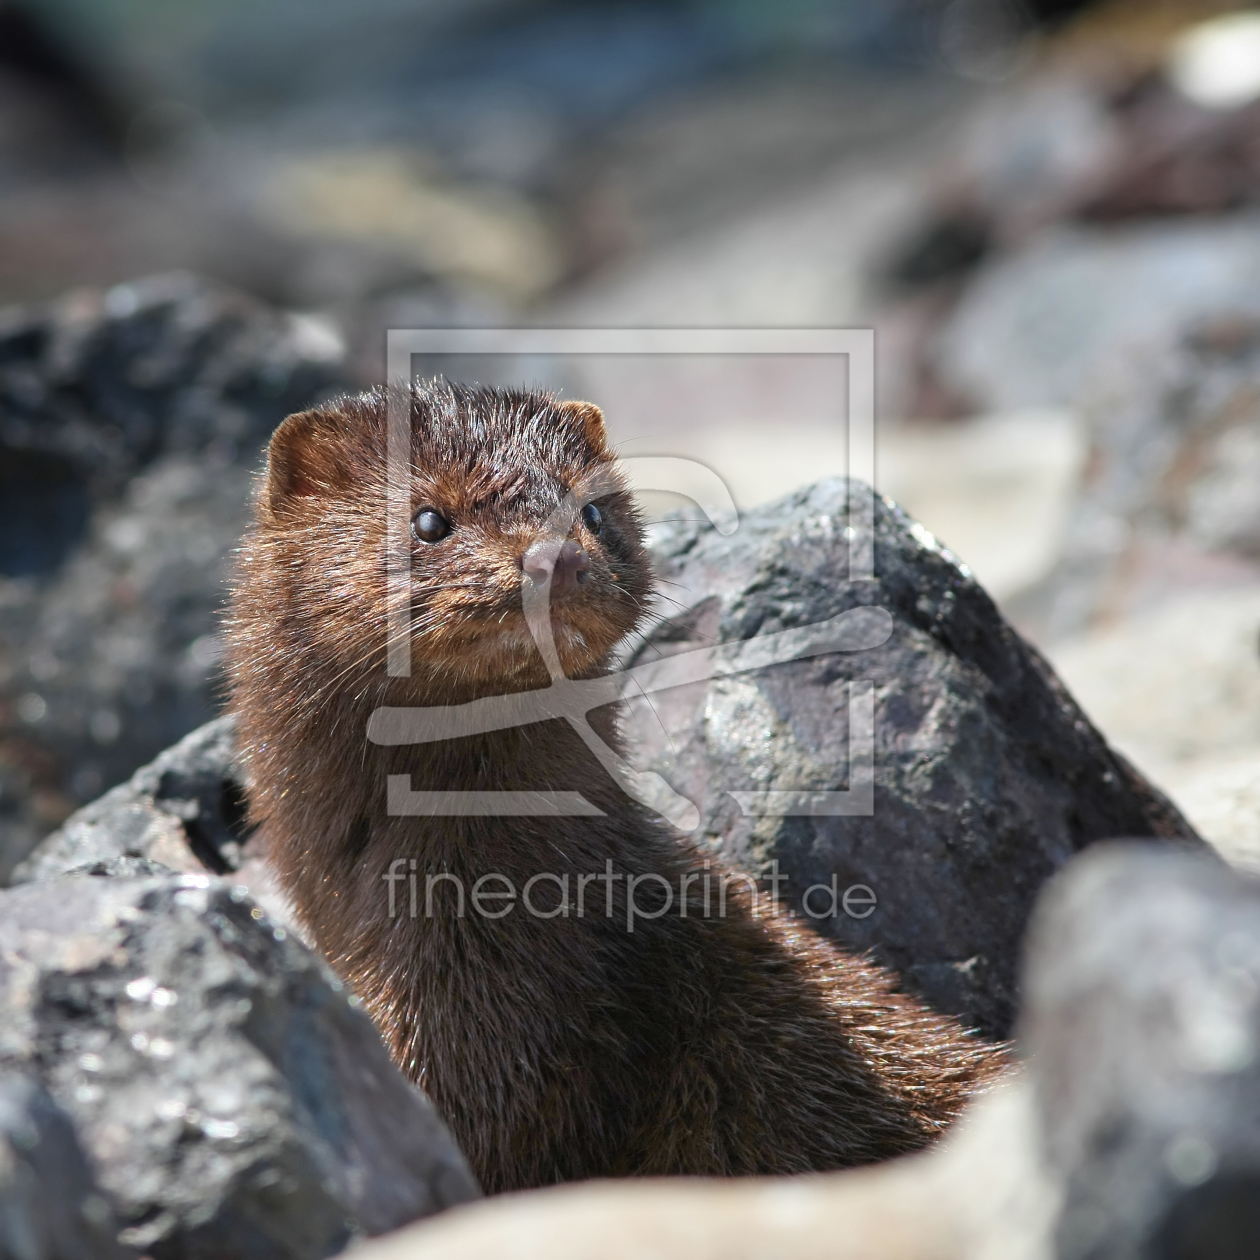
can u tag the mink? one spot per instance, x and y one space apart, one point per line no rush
557 1043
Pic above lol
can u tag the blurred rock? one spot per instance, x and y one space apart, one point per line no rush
1152 612
1221 797
1036 324
982 1194
1174 156
1143 1025
231 1100
1091 138
996 489
1026 290
1170 499
1176 688
50 1207
389 198
130 426
987 776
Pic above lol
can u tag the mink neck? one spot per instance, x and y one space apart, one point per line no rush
533 752
457 680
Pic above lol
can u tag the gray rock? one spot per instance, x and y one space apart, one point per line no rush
1172 492
1039 322
1142 1023
50 1206
184 811
231 1099
130 427
987 776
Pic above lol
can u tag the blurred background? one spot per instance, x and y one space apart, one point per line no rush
212 210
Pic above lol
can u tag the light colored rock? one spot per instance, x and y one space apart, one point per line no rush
1221 797
1039 322
1177 690
1176 685
1167 500
995 490
981 1195
796 262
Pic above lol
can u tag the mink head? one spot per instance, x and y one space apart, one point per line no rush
510 492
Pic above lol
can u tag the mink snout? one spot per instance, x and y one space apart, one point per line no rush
566 564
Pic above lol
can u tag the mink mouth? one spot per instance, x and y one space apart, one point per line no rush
582 622
491 606
510 624
577 628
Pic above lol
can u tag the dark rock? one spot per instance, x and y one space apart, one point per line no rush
1083 209
185 811
1171 495
1095 144
130 426
1142 1022
50 1206
231 1099
1175 156
987 775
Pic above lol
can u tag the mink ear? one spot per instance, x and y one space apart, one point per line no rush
591 419
306 458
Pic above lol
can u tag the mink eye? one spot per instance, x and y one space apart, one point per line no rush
592 518
430 526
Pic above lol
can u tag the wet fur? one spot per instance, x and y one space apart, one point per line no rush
557 1048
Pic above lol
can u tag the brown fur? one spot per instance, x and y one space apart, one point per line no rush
557 1048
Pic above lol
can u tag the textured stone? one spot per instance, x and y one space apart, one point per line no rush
1171 496
1142 1023
50 1206
230 1098
987 776
185 810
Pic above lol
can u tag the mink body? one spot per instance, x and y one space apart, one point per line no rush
562 1047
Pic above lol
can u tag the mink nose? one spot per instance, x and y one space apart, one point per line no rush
566 564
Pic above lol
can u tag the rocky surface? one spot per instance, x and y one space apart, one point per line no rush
130 425
987 776
230 1098
50 1206
185 810
1176 687
1040 320
1084 207
1143 1027
1168 499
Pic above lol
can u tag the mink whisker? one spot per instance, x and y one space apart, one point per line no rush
656 715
